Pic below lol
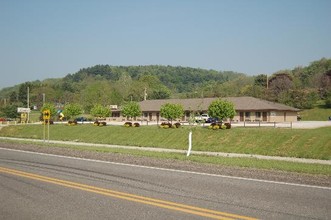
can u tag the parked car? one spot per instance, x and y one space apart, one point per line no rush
201 118
81 119
212 120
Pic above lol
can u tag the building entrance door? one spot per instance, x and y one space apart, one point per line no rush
241 116
264 116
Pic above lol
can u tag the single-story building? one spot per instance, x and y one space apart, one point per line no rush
247 109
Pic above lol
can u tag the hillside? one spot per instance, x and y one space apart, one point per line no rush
300 87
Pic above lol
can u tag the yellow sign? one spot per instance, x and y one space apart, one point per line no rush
46 114
23 117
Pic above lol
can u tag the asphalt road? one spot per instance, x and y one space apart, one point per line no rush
39 186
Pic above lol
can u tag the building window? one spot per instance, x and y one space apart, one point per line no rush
145 114
247 115
115 115
257 114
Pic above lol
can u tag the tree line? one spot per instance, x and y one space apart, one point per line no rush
300 87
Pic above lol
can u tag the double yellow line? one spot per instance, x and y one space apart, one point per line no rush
130 197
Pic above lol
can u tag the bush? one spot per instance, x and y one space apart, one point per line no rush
167 125
216 127
97 123
102 123
74 122
219 125
136 124
128 124
228 125
177 125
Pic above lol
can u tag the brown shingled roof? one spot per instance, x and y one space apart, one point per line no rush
202 104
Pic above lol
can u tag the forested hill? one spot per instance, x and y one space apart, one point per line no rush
178 79
300 87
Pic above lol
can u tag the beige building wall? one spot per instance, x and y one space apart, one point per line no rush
248 116
280 116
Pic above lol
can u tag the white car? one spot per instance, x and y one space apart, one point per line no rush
201 118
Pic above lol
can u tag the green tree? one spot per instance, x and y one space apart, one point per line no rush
72 110
221 109
302 99
131 110
161 93
10 111
260 80
23 92
171 111
95 92
100 111
13 97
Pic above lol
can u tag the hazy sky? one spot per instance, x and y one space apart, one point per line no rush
42 39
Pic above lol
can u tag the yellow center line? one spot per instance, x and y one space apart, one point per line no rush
130 197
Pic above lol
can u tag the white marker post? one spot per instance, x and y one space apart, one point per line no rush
189 144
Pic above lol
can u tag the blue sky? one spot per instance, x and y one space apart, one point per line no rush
42 39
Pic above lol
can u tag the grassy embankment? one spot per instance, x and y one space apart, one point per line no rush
318 113
313 143
301 143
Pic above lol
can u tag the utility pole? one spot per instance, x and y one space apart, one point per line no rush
28 103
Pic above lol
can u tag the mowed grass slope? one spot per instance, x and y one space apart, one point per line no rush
316 114
301 143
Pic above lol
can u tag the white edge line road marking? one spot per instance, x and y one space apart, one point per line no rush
172 170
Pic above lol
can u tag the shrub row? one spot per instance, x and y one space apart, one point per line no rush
169 125
97 123
74 122
130 124
216 126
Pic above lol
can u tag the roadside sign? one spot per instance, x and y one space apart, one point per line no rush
23 110
46 114
24 117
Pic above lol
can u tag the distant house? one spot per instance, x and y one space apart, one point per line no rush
247 108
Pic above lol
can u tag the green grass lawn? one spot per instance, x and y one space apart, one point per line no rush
316 114
301 143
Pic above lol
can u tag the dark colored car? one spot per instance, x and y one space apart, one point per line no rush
81 119
212 120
